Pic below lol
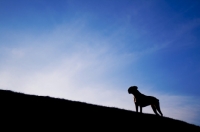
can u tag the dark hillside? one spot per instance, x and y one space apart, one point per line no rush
29 112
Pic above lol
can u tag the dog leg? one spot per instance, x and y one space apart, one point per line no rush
154 109
158 108
136 107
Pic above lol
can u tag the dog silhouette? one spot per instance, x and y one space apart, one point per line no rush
142 100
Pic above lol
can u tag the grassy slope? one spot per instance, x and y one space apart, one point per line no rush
30 112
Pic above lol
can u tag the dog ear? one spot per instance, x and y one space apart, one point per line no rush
134 87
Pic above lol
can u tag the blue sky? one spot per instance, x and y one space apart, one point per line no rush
93 50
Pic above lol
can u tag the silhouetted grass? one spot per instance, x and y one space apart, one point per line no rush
29 112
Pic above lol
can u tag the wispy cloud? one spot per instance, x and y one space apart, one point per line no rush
64 57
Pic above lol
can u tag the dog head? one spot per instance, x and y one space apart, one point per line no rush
132 89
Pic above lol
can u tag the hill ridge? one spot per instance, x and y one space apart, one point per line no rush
58 113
